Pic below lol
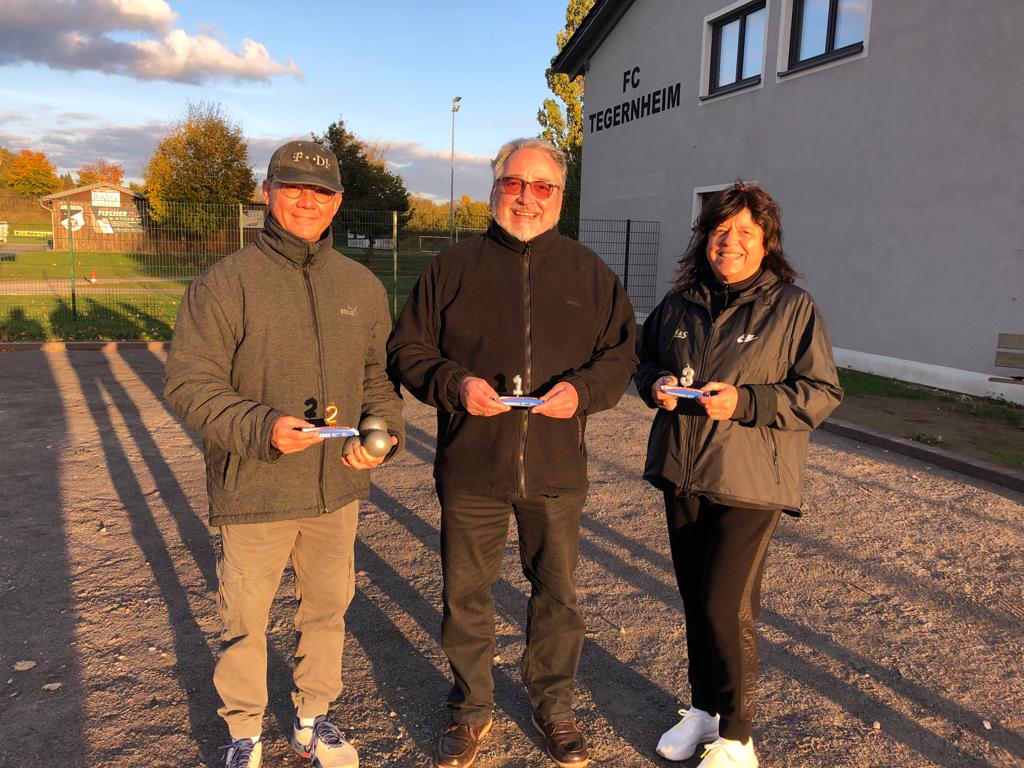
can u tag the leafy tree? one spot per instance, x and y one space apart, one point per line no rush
472 214
564 128
31 174
66 181
6 157
100 171
369 185
199 172
426 215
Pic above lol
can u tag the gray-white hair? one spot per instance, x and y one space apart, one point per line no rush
543 145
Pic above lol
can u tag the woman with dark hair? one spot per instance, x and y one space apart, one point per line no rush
738 363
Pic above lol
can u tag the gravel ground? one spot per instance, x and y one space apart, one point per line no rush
891 635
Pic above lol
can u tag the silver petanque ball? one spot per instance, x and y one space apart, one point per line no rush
350 445
373 422
376 442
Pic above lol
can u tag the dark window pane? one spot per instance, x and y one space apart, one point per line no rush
728 51
850 22
753 47
813 28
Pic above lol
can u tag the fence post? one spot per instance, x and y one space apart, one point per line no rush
625 266
241 227
394 264
71 259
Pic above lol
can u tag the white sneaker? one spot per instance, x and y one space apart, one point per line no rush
681 740
323 744
726 753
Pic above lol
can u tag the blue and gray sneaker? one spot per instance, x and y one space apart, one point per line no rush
323 744
243 753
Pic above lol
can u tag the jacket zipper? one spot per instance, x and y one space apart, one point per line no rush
527 373
319 372
689 440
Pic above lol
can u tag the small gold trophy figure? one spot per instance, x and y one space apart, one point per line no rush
331 415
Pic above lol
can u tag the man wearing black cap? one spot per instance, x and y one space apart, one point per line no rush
284 335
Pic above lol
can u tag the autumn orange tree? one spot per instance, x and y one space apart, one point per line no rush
100 171
472 214
31 174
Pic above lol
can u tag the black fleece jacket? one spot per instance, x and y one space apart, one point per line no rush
495 307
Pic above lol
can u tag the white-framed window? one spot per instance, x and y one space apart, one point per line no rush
734 48
702 194
824 31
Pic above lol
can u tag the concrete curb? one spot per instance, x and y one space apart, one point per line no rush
981 470
69 346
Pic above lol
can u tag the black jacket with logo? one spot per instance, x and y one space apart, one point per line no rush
770 340
495 307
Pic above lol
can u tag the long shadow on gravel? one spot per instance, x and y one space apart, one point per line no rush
195 661
864 707
957 508
416 696
38 610
149 369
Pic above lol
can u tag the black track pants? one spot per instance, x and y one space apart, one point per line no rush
719 555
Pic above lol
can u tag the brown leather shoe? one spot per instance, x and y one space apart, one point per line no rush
459 743
564 742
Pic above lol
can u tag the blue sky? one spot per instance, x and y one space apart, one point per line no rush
82 79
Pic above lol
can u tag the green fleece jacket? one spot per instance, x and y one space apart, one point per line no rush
280 327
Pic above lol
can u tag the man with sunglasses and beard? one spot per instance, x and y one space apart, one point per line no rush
272 341
518 310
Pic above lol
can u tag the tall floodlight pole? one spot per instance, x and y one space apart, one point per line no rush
451 195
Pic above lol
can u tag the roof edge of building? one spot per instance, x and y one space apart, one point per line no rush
572 60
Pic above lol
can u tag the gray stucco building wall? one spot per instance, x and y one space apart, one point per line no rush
900 170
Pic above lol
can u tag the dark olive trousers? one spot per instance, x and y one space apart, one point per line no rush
719 556
473 533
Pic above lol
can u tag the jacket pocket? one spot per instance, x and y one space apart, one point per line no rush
773 452
581 431
229 477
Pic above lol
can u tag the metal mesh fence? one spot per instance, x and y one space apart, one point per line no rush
91 266
630 247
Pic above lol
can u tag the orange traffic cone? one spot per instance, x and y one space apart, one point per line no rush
92 277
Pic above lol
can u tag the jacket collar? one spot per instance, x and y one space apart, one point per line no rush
274 239
541 244
757 285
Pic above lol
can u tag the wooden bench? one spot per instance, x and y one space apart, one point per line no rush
1010 354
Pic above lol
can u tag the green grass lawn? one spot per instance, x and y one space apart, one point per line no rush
55 265
856 384
116 307
46 318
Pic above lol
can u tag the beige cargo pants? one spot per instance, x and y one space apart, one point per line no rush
252 560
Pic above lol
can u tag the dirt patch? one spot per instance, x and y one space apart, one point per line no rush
988 439
891 631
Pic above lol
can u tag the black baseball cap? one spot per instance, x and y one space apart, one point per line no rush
305 162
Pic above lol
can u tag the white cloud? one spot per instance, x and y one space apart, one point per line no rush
77 138
76 35
69 149
426 172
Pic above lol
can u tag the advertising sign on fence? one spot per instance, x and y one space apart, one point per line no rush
72 217
115 221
